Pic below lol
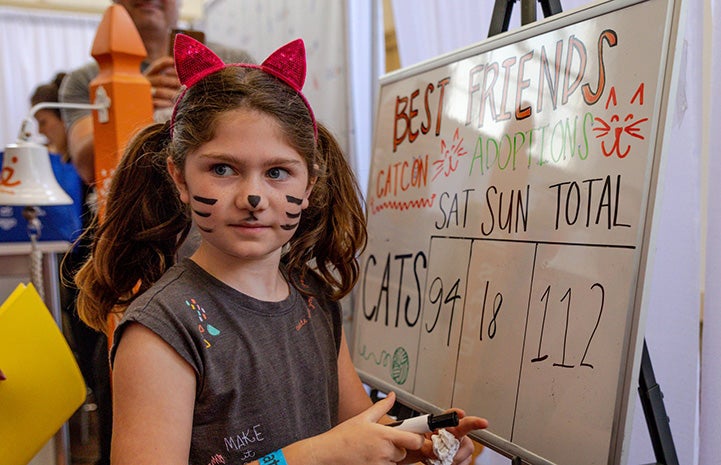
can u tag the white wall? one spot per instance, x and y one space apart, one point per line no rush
710 424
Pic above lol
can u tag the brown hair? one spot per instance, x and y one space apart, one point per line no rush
48 93
145 221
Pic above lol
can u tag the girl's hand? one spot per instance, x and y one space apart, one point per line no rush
465 449
362 440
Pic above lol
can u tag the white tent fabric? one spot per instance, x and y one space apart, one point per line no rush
34 46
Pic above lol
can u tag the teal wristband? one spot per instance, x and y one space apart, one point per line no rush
274 458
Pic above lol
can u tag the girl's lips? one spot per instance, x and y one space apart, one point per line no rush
249 225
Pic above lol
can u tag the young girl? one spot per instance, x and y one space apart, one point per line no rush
237 354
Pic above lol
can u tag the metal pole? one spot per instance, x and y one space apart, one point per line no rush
51 285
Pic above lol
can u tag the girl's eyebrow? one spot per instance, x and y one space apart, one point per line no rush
219 156
232 159
283 161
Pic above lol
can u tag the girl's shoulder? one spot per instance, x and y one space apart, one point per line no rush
309 282
185 275
171 308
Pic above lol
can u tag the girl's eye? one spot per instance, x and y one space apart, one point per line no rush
222 170
278 173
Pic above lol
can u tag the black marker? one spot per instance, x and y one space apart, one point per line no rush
427 423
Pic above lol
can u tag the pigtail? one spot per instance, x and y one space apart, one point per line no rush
145 222
333 227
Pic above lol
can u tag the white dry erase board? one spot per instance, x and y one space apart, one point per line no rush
509 212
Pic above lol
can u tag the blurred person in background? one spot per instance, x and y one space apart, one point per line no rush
50 122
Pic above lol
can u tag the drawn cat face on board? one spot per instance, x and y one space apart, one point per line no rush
447 161
615 127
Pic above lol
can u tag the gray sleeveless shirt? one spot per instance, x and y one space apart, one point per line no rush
266 372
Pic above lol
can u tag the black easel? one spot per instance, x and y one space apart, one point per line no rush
649 391
502 10
655 413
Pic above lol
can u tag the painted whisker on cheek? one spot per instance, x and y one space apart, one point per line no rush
205 200
201 214
294 200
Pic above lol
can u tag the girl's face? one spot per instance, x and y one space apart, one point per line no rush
246 188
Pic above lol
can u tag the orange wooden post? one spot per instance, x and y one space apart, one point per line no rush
119 51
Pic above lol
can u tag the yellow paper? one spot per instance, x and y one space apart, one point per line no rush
44 386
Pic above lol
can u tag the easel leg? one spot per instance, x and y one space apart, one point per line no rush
528 11
655 413
502 10
501 18
550 7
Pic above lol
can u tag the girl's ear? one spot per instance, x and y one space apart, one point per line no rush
177 175
308 190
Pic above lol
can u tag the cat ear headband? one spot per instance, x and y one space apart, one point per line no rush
194 61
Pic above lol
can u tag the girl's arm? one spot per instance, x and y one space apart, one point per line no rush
153 399
353 397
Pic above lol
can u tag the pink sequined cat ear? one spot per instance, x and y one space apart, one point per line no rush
193 60
288 64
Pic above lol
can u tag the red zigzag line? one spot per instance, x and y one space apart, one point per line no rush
403 205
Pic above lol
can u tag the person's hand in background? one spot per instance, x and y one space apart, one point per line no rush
164 83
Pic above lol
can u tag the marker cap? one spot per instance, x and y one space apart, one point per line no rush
444 420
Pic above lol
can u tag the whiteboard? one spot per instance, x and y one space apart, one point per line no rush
509 211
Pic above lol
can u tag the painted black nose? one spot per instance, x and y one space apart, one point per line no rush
253 200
